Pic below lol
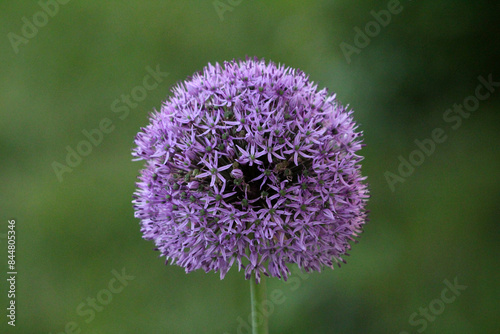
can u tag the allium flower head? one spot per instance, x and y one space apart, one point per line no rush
250 163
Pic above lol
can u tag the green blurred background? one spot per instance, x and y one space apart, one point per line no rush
441 223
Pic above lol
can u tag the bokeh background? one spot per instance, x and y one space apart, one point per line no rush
441 223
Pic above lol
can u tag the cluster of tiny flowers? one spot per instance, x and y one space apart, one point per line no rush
248 163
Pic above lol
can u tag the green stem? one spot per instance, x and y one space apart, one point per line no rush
260 313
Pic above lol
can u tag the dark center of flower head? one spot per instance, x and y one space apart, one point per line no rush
261 162
259 172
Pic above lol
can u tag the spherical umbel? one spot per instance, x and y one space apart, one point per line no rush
250 163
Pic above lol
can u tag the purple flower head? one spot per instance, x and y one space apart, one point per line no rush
250 163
